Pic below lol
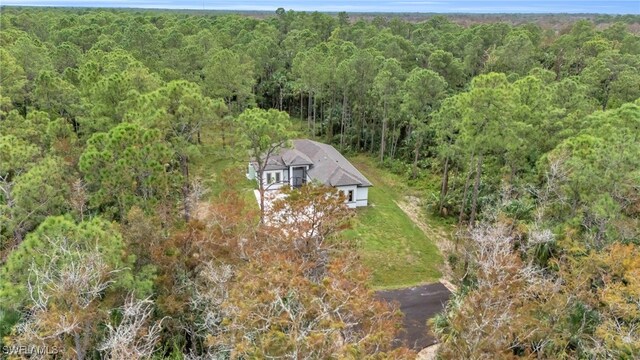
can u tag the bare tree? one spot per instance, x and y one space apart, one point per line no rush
132 338
210 291
492 319
275 311
79 197
196 191
308 217
64 292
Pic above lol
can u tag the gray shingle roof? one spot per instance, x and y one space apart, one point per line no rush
293 157
273 163
327 164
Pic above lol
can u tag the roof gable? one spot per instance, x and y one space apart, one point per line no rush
342 178
292 157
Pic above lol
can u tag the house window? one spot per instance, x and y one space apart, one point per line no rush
269 178
278 177
350 195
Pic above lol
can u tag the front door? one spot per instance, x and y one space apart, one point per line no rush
299 177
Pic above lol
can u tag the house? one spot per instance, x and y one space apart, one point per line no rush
309 160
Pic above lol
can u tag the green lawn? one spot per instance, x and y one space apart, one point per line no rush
393 247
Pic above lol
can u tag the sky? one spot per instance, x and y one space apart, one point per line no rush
438 6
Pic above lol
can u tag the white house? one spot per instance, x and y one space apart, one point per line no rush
309 160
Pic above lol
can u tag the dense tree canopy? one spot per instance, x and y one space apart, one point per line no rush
524 133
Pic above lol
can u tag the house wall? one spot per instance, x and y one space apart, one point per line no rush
362 196
251 172
285 176
253 175
345 190
274 185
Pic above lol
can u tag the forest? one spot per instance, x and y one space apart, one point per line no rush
525 136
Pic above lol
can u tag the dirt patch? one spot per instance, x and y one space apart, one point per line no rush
428 353
411 206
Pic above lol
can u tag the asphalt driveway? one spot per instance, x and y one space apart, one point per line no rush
417 304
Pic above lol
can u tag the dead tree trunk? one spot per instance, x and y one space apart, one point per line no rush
184 167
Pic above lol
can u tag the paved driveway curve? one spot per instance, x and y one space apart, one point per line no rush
418 304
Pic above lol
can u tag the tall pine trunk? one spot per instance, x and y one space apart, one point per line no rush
384 133
372 136
343 120
416 156
394 146
476 186
382 138
362 140
444 189
309 105
466 189
301 106
314 114
261 190
394 139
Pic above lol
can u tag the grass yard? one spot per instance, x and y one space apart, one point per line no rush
393 247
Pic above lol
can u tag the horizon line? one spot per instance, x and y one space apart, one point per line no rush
59 6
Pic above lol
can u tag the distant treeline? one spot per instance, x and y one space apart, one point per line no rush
545 20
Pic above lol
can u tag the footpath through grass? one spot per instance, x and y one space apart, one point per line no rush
397 251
